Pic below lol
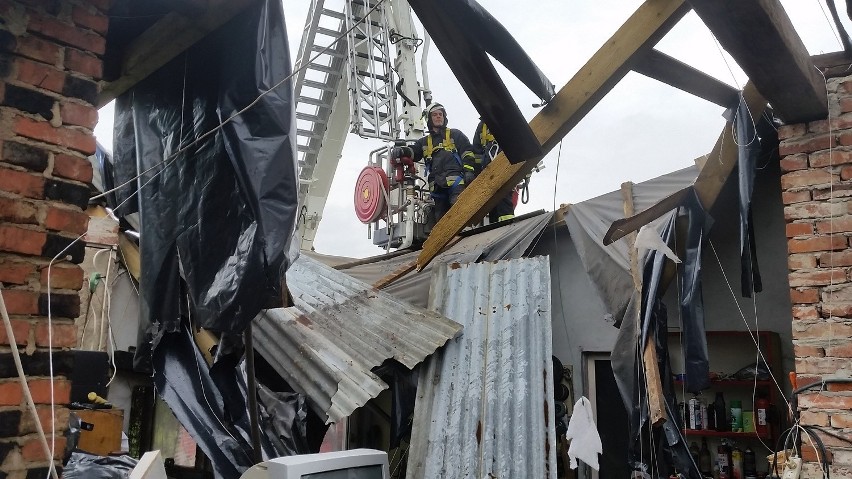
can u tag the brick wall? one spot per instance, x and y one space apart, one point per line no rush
50 62
817 193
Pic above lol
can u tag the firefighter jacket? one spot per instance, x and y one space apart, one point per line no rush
447 154
483 143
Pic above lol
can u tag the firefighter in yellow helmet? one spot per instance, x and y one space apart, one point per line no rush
486 148
449 159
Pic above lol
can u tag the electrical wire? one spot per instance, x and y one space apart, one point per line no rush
25 387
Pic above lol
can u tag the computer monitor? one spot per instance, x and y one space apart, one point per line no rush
354 464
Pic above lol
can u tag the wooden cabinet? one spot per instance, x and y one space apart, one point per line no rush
101 433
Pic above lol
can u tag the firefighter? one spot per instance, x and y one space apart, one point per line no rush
486 148
449 158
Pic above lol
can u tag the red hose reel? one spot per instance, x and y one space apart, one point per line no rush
370 194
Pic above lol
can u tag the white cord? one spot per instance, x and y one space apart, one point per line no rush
16 357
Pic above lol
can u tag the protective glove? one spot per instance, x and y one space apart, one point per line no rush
402 151
469 176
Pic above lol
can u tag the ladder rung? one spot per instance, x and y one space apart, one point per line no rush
311 118
376 76
323 68
370 57
372 113
372 22
308 134
329 32
328 51
319 85
333 14
364 91
312 101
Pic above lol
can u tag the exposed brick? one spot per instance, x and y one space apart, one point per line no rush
18 211
839 190
33 451
81 88
819 210
21 330
15 272
40 75
837 294
841 420
21 301
63 277
7 63
846 173
64 335
838 310
55 244
61 305
845 104
821 330
80 115
38 364
61 219
826 365
839 387
67 34
30 101
835 225
40 390
50 6
845 138
790 197
801 261
805 351
836 258
809 454
832 157
21 183
69 193
841 122
84 63
819 126
38 49
794 162
806 145
102 5
43 131
841 351
814 418
93 21
807 178
791 131
20 240
818 243
27 156
799 229
10 423
797 296
805 312
72 167
28 424
11 393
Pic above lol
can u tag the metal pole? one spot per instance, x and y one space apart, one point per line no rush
252 397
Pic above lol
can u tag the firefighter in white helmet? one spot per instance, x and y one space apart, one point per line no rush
449 159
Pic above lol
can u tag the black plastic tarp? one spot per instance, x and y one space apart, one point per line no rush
670 446
217 210
83 465
217 197
466 33
748 149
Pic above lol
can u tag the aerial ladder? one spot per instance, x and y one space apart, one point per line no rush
356 73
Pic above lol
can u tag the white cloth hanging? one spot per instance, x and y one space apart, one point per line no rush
649 239
583 434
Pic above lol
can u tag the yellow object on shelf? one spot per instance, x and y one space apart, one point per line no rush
748 421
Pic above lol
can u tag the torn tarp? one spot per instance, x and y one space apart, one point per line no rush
466 33
218 209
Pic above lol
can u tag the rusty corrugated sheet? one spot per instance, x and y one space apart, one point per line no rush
337 332
485 401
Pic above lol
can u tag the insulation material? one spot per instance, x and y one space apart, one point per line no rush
485 401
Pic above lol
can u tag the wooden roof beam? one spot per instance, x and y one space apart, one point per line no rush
673 72
761 38
165 40
648 24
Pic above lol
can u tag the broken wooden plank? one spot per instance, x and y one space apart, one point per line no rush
761 38
165 40
656 398
673 72
835 64
648 24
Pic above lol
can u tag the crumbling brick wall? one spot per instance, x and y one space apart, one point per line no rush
817 193
50 62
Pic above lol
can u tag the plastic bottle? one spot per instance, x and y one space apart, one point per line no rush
737 463
704 463
723 462
736 416
761 420
711 417
720 412
694 413
749 463
702 406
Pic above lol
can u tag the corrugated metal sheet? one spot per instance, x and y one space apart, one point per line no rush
338 331
485 401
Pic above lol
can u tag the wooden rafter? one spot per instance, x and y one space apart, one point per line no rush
673 72
167 39
648 24
761 38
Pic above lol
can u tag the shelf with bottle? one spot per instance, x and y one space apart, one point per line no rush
728 434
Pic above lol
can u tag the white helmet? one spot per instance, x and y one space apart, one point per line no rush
428 112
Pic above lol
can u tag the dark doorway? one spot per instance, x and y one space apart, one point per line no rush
613 424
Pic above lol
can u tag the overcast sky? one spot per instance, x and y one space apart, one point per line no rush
640 130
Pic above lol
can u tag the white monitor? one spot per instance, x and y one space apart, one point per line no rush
354 464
